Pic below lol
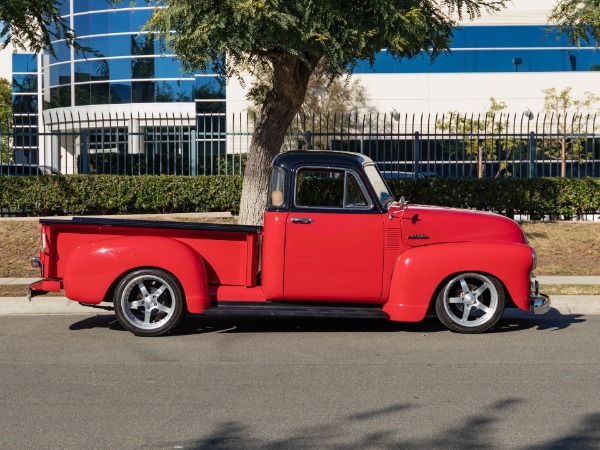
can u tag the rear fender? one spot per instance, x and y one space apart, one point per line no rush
93 268
419 272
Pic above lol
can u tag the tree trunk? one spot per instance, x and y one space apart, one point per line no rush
290 80
563 157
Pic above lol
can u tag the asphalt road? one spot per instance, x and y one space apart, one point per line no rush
82 382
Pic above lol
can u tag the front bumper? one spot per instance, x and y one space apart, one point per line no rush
540 303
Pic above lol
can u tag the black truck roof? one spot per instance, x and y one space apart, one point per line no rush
289 160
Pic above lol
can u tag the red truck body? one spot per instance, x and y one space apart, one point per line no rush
345 249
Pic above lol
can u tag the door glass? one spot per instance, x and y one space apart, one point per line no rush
355 197
320 188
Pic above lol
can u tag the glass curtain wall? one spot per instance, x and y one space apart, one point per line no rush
507 48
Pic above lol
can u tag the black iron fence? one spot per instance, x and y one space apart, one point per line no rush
450 145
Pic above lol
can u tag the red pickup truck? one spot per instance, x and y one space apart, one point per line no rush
334 243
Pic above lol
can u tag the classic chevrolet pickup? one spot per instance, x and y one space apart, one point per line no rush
334 243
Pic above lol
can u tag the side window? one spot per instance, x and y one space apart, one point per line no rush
355 197
330 188
277 188
320 188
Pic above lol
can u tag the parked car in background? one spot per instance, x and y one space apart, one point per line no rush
21 170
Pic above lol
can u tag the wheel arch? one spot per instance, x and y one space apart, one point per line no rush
94 270
419 274
110 293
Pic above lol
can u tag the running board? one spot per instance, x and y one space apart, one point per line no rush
279 310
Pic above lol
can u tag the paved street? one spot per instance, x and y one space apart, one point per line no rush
82 382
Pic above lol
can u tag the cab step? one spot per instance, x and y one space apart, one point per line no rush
270 309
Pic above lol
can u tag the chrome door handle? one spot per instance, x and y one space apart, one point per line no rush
301 220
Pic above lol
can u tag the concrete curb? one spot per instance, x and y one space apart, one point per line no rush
10 306
563 304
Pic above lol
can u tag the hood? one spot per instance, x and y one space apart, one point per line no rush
427 225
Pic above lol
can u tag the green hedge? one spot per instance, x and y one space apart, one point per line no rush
567 197
114 194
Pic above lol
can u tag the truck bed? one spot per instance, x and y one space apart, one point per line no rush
230 251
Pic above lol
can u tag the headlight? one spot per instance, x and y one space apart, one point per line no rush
534 257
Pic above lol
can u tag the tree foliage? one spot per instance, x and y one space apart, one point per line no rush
330 106
479 137
34 24
579 20
565 113
5 119
295 38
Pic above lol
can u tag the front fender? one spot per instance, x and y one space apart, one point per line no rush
419 271
93 268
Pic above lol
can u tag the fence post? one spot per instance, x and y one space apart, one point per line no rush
532 155
417 154
308 140
84 153
194 153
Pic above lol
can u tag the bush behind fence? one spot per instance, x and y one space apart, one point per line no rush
554 198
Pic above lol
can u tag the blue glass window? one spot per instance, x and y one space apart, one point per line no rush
99 23
98 44
121 45
120 69
24 104
507 36
174 91
81 6
167 67
60 74
81 24
203 107
142 45
99 93
65 7
62 51
139 19
24 62
24 83
96 5
120 93
82 94
550 60
142 91
142 68
209 88
120 22
60 97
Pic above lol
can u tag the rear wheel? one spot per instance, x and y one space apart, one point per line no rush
470 302
149 302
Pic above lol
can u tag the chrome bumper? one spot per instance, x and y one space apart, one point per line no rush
540 303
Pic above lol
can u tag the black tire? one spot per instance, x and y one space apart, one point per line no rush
149 302
470 302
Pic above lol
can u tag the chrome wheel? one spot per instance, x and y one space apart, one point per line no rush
470 302
149 302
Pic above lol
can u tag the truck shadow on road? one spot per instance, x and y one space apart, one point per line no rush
510 322
485 427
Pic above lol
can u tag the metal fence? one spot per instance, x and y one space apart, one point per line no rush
449 145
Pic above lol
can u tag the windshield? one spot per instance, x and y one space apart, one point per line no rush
379 185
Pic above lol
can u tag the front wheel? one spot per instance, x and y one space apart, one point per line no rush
470 303
149 302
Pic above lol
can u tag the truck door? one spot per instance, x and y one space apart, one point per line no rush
334 239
